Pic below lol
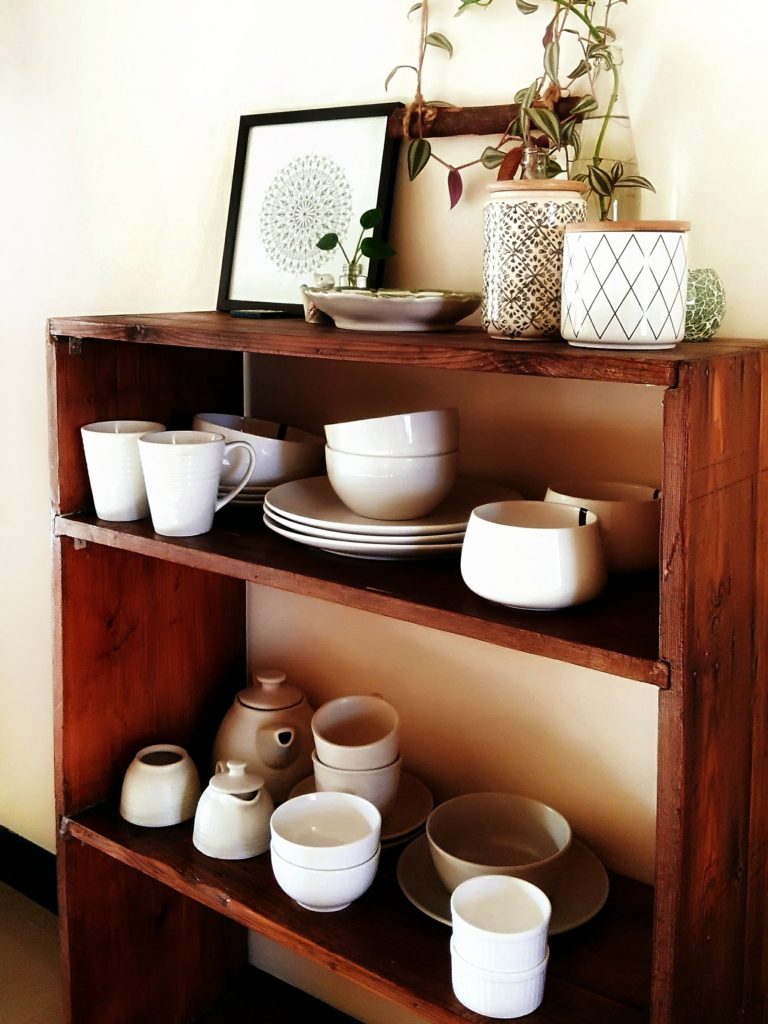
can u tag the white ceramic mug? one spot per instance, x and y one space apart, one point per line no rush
114 468
182 470
379 785
361 731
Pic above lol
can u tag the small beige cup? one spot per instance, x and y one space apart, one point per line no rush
114 468
379 785
357 732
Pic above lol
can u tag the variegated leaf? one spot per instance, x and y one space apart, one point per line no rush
635 181
547 121
440 41
419 152
492 157
525 8
584 106
599 180
552 59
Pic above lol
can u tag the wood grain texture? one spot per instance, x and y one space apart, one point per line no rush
708 574
597 974
161 957
465 348
615 633
157 651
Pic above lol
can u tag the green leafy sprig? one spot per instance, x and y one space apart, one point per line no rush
372 248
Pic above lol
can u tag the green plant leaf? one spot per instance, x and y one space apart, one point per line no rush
416 7
599 180
439 40
394 71
492 157
579 71
585 104
578 177
553 168
455 186
329 241
371 218
525 8
617 171
547 121
607 33
635 181
525 97
575 143
419 152
552 59
375 249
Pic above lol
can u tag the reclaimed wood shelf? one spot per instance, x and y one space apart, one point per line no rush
617 632
150 642
597 973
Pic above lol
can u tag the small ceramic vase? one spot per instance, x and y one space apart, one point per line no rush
624 284
705 305
160 788
524 225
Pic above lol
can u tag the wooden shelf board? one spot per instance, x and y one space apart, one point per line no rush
598 974
464 348
616 633
259 996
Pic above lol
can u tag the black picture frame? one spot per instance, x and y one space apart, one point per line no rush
353 160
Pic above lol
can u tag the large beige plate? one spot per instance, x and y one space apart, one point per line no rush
580 892
313 502
367 309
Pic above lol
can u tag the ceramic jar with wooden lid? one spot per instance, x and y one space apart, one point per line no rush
524 222
625 284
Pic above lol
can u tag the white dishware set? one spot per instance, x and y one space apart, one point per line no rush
182 478
555 553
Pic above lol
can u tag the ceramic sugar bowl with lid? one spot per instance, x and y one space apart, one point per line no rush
233 814
268 727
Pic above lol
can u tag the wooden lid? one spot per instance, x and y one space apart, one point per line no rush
538 185
631 225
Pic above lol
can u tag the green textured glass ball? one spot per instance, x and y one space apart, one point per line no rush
705 305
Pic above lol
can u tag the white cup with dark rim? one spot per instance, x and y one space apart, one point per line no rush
182 470
111 450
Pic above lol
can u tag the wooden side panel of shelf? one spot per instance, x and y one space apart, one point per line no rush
712 459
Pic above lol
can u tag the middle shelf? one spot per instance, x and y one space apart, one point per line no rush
618 632
598 972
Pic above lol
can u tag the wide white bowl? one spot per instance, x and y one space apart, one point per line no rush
629 517
389 486
501 994
497 834
393 309
533 554
326 831
282 453
324 891
379 785
429 432
360 731
500 922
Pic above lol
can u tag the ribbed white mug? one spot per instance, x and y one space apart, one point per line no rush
182 470
114 468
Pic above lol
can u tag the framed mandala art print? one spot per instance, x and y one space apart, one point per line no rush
299 175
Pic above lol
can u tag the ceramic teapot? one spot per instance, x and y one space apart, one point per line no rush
268 727
232 817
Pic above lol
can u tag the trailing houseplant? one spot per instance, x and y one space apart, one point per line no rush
546 131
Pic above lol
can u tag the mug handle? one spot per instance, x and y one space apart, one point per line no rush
221 502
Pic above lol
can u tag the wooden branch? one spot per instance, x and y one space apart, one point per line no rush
442 122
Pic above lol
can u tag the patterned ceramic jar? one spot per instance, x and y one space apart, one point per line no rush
524 225
705 307
624 284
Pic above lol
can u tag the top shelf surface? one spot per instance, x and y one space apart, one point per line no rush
465 348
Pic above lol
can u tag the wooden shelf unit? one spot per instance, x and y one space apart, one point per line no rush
150 642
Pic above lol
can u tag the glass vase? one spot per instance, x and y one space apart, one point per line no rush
607 139
353 277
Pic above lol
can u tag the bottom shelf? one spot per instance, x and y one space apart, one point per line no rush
276 1003
598 973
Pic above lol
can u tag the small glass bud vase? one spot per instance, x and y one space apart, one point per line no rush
353 277
534 163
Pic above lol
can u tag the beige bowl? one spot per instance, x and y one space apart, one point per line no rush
429 432
389 486
282 453
497 834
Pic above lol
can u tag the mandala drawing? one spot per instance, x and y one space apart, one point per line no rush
306 199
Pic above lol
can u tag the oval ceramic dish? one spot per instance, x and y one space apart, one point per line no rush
367 309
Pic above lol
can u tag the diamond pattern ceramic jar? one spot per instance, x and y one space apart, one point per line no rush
624 284
524 225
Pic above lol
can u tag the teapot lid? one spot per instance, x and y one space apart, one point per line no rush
231 777
271 694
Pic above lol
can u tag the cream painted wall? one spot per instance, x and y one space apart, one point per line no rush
119 124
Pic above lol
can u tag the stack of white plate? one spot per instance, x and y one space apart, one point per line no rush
309 512
251 494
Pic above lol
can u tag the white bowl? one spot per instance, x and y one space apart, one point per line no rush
161 787
379 785
431 432
629 517
326 831
282 453
390 486
497 834
501 994
324 890
360 731
500 923
533 554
